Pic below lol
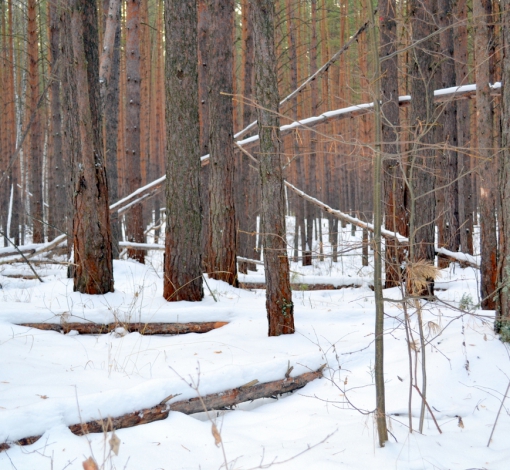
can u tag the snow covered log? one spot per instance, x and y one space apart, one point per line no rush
142 328
216 401
300 287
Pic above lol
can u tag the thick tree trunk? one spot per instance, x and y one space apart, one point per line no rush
134 218
221 249
503 317
183 254
484 114
422 160
91 226
280 309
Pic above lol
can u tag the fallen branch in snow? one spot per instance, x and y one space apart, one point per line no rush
298 286
12 252
216 401
142 328
22 255
40 249
462 258
453 93
347 218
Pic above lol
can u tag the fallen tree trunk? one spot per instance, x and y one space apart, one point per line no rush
216 401
298 286
142 328
442 95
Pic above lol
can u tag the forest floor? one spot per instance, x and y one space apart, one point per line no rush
50 380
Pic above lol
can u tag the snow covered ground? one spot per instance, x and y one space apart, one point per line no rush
50 380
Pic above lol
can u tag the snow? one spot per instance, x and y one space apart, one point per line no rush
50 380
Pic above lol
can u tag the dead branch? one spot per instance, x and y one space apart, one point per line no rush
215 401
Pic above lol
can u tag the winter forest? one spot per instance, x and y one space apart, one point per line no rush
247 234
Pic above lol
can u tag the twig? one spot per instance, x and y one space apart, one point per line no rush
22 255
428 408
497 416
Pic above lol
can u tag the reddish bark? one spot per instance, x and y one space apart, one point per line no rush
134 218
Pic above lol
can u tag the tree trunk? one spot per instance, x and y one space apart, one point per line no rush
109 71
484 113
203 97
36 146
449 235
221 256
56 192
422 164
134 218
183 254
503 316
93 273
280 309
463 130
394 206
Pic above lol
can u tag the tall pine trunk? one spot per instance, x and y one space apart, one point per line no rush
221 256
484 115
183 253
36 140
134 218
280 309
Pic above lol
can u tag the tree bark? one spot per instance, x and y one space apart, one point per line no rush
36 145
484 120
56 191
448 230
109 70
422 164
183 254
91 225
463 129
221 249
142 328
134 219
279 306
394 206
503 314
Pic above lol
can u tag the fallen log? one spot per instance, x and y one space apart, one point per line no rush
298 286
216 401
13 252
142 328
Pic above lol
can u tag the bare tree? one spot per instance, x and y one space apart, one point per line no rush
134 218
484 121
183 254
280 309
92 245
503 317
221 247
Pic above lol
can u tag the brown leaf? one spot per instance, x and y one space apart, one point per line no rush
461 423
89 464
216 434
114 443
